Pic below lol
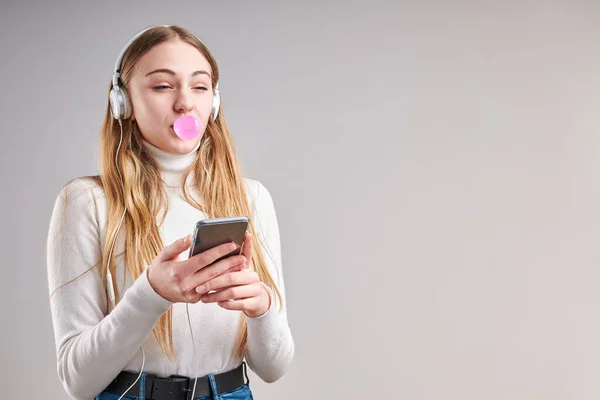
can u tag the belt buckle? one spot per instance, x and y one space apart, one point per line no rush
187 389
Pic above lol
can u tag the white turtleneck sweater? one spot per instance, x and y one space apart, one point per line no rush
93 347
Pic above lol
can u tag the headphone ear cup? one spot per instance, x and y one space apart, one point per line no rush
216 104
120 106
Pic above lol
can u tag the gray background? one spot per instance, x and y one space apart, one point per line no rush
434 166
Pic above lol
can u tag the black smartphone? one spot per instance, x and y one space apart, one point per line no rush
209 233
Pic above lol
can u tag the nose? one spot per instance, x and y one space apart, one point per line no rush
183 102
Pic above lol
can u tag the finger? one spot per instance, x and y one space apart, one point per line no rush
238 305
235 268
219 268
191 297
174 249
232 293
241 277
238 278
247 246
207 258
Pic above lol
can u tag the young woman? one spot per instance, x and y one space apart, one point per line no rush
133 316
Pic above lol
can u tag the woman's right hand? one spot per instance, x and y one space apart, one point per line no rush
177 280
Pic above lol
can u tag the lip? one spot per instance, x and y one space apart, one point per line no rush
185 115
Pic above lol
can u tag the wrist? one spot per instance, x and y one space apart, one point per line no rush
264 304
150 277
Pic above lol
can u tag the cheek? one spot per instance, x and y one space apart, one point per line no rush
206 109
148 119
149 108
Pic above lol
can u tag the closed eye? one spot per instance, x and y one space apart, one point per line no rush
164 87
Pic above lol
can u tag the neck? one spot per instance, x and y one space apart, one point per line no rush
171 166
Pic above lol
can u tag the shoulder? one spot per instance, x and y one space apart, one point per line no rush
258 195
92 185
262 206
79 195
252 187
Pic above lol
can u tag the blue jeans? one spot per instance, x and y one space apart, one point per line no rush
242 393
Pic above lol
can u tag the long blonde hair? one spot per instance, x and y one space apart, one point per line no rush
217 181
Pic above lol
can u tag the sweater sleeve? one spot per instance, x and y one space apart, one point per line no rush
92 348
270 346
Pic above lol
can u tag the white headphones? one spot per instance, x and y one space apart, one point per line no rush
120 106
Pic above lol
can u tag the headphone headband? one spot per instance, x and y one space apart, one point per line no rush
117 69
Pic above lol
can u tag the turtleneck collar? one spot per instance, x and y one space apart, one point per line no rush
172 166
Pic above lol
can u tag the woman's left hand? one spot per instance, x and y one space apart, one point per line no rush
238 290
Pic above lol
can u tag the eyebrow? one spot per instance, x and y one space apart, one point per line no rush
171 72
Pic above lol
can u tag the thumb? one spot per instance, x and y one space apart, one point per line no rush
174 249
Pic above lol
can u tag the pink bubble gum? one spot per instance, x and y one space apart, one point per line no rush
187 127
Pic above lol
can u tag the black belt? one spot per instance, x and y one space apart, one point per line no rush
177 387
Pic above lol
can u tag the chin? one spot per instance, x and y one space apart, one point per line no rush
179 146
